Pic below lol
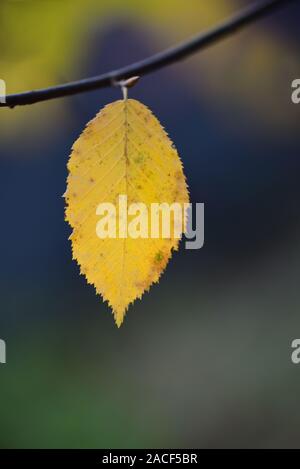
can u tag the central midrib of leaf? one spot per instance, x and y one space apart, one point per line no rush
126 182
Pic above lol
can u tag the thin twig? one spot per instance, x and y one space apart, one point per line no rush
157 61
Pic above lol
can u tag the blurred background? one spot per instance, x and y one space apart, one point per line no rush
203 361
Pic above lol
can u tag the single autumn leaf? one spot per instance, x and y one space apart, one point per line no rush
123 156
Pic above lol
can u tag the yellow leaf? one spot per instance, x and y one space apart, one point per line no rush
123 157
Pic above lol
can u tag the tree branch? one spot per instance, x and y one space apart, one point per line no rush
155 62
